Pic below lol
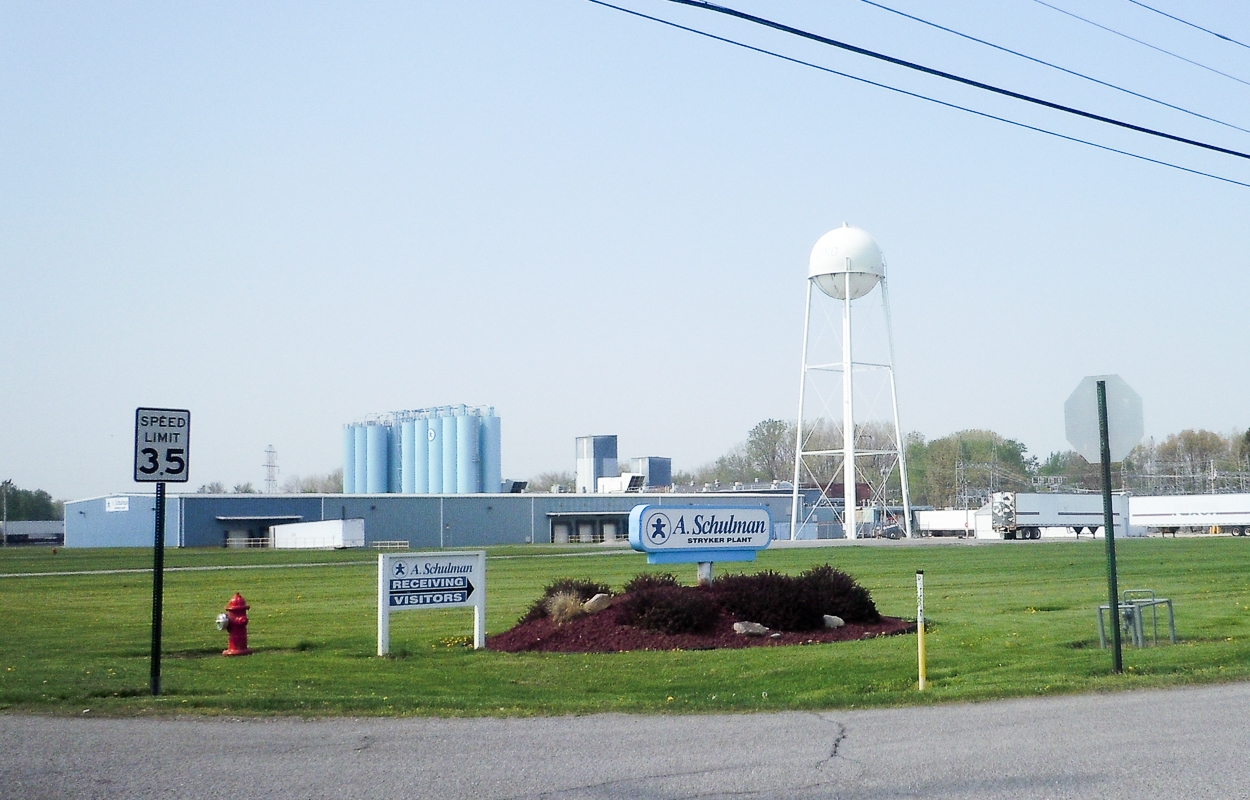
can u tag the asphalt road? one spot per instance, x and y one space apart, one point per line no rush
1155 745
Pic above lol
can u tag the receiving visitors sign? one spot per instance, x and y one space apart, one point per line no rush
408 581
696 534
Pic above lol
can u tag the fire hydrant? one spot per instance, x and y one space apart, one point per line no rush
234 622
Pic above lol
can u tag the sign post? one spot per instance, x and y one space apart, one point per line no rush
162 454
408 581
1111 442
920 658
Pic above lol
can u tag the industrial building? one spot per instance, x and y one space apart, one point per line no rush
422 521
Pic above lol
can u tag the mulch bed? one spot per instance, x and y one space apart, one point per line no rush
599 633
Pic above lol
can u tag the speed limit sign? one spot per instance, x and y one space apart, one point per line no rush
162 445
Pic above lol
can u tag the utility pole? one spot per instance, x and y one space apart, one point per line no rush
4 525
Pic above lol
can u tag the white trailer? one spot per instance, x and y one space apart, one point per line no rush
330 534
1211 513
1022 515
946 522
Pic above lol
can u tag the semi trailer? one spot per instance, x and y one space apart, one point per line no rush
1023 515
1209 513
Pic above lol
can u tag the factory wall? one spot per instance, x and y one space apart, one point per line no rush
424 521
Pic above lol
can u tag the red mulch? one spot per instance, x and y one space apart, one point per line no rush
599 633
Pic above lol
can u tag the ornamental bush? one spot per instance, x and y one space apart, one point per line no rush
794 603
650 580
669 608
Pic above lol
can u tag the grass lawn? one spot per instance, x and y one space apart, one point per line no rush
1005 620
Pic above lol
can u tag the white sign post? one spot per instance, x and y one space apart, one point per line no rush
410 581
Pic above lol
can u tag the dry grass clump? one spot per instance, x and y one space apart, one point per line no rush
564 607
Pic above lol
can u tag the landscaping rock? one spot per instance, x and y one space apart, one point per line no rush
833 622
597 603
750 628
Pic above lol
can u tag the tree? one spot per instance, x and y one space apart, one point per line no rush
329 483
216 487
25 504
244 488
546 481
770 451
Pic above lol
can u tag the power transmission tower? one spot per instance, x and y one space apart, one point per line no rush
271 470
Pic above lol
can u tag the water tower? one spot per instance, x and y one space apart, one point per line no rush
845 266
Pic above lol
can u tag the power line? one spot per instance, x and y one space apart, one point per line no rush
1055 66
1139 41
914 94
1190 24
815 37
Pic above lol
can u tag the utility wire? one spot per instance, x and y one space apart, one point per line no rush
914 94
815 37
1139 41
1190 24
1056 66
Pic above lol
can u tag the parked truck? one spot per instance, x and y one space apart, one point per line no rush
946 522
1023 515
1210 513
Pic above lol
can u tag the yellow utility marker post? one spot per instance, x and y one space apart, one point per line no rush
920 624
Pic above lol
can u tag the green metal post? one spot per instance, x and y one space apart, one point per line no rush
1108 522
158 589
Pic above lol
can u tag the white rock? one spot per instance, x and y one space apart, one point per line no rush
833 622
750 628
597 603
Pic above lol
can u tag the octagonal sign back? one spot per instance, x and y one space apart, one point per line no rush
1125 427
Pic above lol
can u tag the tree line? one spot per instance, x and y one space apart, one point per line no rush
20 505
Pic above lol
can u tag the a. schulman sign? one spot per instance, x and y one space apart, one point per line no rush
431 580
692 534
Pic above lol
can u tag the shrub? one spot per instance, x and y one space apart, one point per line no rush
650 580
769 598
669 608
582 589
789 603
834 592
563 607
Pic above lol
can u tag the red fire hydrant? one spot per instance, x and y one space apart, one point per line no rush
234 622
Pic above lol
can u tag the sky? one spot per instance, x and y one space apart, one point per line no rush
285 217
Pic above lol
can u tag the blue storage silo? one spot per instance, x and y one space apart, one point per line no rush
468 456
408 451
395 475
435 453
377 455
362 459
421 456
349 459
492 451
450 452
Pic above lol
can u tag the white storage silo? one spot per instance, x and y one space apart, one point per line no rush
492 469
362 460
450 451
377 457
395 473
468 457
408 449
421 455
434 462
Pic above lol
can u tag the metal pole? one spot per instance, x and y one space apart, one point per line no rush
4 526
798 435
920 654
158 589
849 529
898 431
1108 522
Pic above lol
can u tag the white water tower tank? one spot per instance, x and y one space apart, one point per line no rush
846 252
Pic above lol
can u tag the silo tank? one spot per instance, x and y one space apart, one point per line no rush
408 450
468 457
448 423
377 455
421 456
362 459
395 476
434 434
349 459
491 446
